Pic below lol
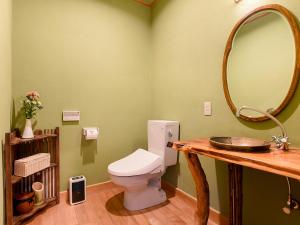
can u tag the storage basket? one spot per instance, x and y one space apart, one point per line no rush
32 164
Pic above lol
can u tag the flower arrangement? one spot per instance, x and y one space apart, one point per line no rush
31 104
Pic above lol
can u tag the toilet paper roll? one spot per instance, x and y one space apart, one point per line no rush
91 133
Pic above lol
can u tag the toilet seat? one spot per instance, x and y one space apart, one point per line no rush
137 163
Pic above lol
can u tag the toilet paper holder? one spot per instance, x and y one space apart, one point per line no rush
90 133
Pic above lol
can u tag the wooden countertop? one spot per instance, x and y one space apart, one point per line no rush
285 163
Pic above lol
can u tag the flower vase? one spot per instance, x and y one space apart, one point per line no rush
28 133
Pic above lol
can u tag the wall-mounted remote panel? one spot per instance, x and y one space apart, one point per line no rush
71 115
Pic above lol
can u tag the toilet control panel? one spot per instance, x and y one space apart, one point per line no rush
70 115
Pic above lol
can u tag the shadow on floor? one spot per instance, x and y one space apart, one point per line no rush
114 205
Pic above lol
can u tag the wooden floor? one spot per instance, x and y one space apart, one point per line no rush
104 207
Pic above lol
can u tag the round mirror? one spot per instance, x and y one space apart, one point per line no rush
261 61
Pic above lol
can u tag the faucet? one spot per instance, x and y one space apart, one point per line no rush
280 141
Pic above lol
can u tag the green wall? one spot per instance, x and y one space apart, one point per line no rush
5 83
119 67
92 56
189 39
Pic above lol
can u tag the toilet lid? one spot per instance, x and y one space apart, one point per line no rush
138 163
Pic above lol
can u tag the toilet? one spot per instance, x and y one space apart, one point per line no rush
140 172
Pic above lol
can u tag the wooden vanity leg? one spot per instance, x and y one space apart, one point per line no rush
236 194
202 188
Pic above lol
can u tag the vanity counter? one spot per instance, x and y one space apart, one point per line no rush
285 163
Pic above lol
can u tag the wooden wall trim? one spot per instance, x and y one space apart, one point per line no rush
150 4
214 215
101 185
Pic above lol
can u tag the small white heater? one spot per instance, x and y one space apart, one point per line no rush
77 190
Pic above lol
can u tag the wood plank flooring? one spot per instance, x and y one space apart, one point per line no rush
104 206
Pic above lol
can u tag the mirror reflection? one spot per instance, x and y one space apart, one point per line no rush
261 62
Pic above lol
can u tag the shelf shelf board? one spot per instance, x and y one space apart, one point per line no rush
53 164
20 218
16 179
17 140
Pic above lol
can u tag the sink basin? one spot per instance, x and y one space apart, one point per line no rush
242 144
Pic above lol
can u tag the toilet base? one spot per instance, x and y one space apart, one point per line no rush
150 196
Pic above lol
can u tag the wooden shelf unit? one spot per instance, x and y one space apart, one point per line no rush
46 141
19 218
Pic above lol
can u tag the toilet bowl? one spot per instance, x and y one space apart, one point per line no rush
140 172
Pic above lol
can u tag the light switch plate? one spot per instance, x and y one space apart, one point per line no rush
71 115
207 109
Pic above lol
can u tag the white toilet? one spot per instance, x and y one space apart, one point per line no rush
140 172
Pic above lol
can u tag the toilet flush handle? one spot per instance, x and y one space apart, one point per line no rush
170 134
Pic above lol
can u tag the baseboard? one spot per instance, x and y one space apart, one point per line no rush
214 215
101 185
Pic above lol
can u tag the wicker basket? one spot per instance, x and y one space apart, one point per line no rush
32 164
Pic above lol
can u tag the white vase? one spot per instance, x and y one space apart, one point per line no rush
28 133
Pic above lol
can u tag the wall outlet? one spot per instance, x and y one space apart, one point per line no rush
207 109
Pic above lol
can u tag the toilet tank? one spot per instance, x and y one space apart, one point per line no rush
160 132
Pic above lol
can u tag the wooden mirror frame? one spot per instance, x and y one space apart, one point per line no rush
296 33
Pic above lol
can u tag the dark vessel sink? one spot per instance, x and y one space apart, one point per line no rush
242 144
